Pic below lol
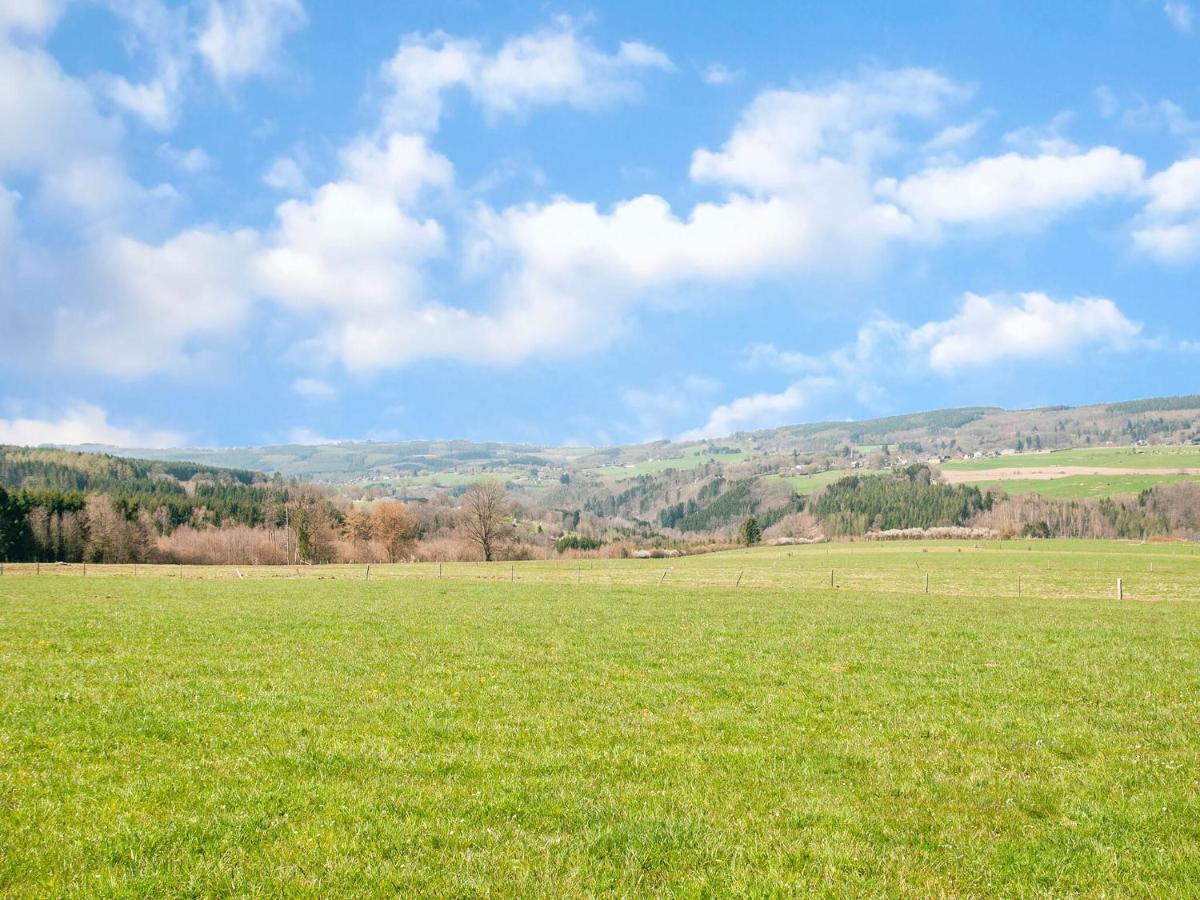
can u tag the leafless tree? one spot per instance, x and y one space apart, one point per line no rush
484 509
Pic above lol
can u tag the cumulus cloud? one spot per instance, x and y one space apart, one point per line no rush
143 308
285 174
244 37
33 17
1034 326
50 119
1014 189
761 410
1168 228
556 64
986 330
84 423
791 139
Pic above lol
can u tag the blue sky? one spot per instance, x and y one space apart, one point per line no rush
235 222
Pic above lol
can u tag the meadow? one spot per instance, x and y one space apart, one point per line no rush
804 485
690 458
726 723
1152 457
1074 487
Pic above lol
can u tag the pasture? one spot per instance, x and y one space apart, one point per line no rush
716 724
1165 457
1074 487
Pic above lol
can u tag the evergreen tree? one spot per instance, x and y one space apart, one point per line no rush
751 533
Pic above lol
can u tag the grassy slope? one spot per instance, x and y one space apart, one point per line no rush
691 458
1116 457
328 736
1075 486
808 484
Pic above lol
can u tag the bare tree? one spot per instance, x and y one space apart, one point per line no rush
484 508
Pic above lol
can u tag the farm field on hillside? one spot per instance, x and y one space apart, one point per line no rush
1172 457
804 485
330 735
691 458
1074 486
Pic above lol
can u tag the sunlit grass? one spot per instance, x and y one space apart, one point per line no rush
1072 487
1157 457
558 728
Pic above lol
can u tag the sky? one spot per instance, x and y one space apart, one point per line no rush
244 222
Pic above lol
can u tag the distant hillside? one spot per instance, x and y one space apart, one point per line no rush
176 492
1121 469
426 465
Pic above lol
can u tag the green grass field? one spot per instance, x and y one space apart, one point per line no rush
1166 457
560 728
803 485
690 458
1071 487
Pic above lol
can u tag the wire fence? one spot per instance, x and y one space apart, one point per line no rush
1158 577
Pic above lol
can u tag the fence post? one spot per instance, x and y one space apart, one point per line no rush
512 574
664 577
927 582
1018 585
739 578
831 577
1120 589
367 577
85 568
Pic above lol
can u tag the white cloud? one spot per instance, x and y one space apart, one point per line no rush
83 423
162 33
244 37
8 221
1175 190
1044 140
554 65
1180 15
143 307
655 406
987 330
354 254
1175 243
49 118
762 410
192 161
34 17
789 140
768 356
285 174
718 74
1169 227
313 389
399 167
1014 189
952 136
310 438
